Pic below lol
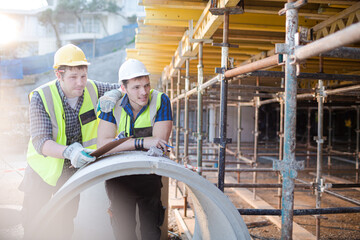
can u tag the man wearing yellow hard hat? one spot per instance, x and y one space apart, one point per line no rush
63 129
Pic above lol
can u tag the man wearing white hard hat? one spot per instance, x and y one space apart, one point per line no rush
63 129
145 114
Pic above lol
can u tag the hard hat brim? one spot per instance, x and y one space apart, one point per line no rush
134 76
73 64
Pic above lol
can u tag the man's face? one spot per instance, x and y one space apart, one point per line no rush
138 90
73 81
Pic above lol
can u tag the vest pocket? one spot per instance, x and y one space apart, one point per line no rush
142 132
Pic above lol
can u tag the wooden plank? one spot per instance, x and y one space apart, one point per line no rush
182 225
299 233
333 19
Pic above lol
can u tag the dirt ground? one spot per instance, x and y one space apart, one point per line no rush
333 226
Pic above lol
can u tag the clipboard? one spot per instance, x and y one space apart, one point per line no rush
107 147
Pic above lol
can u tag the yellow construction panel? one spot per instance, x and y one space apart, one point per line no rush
162 54
154 35
154 41
155 46
307 13
161 22
235 39
217 50
157 39
256 27
327 2
163 33
204 28
174 4
166 14
275 21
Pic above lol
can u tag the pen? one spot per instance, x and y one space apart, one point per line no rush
168 146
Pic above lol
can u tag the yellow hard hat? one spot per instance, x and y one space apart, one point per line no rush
69 55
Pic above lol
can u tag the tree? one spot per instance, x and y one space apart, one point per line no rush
104 6
49 17
77 8
74 7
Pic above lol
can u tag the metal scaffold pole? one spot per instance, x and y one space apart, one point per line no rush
308 138
357 142
186 126
171 140
281 137
186 120
256 135
329 145
177 138
320 141
289 165
177 149
200 109
223 104
239 129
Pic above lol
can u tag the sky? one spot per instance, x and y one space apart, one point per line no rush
22 4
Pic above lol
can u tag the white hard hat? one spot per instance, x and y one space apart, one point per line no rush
132 68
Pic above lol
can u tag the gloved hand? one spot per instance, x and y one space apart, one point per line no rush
120 136
108 101
78 155
155 152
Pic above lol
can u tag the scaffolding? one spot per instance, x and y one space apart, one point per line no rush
288 56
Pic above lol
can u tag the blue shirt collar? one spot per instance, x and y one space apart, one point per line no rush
125 103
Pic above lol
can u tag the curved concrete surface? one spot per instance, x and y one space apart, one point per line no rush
216 217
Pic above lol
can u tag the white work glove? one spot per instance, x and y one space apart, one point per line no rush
78 155
155 152
108 101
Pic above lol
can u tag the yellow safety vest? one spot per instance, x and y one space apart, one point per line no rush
143 124
49 168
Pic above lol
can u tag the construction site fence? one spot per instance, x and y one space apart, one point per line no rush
17 68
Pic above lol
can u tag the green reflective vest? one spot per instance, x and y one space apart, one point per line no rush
144 123
49 168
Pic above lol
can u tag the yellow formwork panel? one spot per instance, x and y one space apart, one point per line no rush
193 4
156 39
155 46
256 31
161 22
171 14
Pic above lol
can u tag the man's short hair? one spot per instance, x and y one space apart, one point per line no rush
63 68
125 82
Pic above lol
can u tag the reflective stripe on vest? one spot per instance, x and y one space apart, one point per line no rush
49 168
146 119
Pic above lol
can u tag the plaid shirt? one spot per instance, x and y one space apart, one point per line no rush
40 123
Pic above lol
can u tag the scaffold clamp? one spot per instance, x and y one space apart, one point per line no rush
220 70
286 167
292 5
220 141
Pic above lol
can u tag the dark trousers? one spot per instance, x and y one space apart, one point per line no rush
125 193
37 194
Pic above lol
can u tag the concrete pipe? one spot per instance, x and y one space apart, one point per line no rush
215 216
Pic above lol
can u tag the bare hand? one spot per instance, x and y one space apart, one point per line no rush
155 142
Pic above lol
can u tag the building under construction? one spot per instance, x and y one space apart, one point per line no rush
265 98
266 113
